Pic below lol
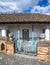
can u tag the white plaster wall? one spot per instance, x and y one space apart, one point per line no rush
14 28
3 29
47 32
26 26
37 29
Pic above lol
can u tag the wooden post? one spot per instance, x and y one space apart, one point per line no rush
18 41
32 36
19 32
32 32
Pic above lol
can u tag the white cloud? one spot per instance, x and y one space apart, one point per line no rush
43 10
8 7
17 5
48 1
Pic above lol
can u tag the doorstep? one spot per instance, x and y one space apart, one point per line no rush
26 56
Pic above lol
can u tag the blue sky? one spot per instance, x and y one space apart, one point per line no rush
26 6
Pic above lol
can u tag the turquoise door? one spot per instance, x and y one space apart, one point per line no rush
25 45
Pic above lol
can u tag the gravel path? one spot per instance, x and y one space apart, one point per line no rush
17 59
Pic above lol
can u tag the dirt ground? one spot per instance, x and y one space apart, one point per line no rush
17 59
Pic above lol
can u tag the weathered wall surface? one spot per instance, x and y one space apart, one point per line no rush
37 29
14 28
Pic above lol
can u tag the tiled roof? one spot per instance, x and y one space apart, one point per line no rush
24 17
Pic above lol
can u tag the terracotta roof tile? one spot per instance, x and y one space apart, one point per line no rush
24 17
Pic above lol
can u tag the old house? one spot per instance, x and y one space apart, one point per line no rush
27 29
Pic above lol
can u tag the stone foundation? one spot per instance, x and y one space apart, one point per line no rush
43 50
6 46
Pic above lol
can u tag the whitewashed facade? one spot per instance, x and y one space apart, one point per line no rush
37 29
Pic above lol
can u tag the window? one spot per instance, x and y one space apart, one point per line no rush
43 31
25 34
